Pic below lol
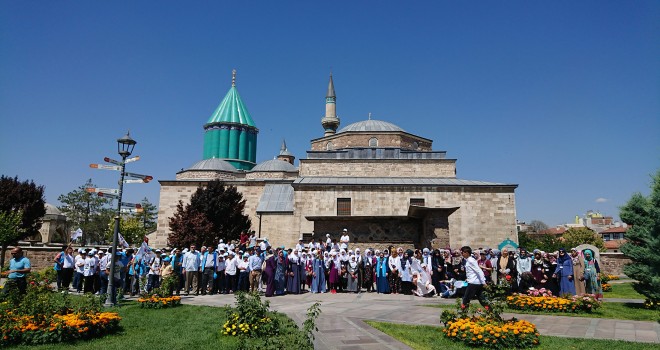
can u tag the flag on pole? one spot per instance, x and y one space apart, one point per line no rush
144 251
122 241
76 234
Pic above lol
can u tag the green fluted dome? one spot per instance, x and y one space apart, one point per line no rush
230 133
232 110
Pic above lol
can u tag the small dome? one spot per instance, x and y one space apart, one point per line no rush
274 165
216 164
370 125
52 210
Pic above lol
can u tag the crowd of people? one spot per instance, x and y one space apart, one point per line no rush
327 267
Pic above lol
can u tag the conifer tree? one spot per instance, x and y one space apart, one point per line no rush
643 245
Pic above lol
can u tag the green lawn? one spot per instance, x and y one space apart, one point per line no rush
623 291
619 311
430 337
182 327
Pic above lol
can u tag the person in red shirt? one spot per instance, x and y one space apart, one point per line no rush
243 239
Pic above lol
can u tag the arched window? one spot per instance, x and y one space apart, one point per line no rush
329 146
373 142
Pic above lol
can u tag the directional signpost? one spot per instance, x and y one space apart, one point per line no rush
125 146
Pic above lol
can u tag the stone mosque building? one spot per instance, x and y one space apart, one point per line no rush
383 184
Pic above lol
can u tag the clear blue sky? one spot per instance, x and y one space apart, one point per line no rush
560 97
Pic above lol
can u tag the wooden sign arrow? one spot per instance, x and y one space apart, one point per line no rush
131 205
104 190
146 178
131 210
109 160
135 181
134 159
105 167
107 195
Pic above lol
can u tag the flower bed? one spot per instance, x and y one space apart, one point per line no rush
156 302
20 329
582 303
606 287
484 332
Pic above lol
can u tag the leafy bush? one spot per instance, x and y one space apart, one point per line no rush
259 328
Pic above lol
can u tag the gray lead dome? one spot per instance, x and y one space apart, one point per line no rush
213 164
371 125
274 165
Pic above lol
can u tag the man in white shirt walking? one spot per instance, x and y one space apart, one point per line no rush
475 279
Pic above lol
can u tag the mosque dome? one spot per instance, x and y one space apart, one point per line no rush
214 164
274 165
52 210
371 125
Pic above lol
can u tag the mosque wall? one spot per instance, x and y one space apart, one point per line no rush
350 140
378 167
485 216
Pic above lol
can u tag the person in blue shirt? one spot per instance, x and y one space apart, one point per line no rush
19 267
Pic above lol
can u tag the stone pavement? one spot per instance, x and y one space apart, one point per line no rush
341 323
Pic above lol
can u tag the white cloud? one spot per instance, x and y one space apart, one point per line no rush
601 200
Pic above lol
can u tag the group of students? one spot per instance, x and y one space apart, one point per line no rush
322 267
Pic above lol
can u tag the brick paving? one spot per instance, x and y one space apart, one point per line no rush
341 323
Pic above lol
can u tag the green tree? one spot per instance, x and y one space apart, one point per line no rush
575 236
546 243
643 245
130 227
215 211
10 231
26 198
148 216
87 211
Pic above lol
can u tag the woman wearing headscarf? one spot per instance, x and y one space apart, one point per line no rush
352 275
564 273
360 273
368 264
302 267
539 270
591 274
269 273
309 268
394 278
406 272
333 276
438 268
494 256
293 273
552 284
578 270
280 273
318 274
505 267
382 271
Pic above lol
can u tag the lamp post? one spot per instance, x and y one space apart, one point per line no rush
125 146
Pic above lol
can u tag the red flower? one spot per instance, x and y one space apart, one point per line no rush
508 277
32 283
462 306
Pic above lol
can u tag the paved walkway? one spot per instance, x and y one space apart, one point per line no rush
341 323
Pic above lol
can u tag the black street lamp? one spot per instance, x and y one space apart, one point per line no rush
125 146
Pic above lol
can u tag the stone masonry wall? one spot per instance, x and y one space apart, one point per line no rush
349 140
486 216
379 167
612 263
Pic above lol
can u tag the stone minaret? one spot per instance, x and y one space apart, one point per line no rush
330 122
